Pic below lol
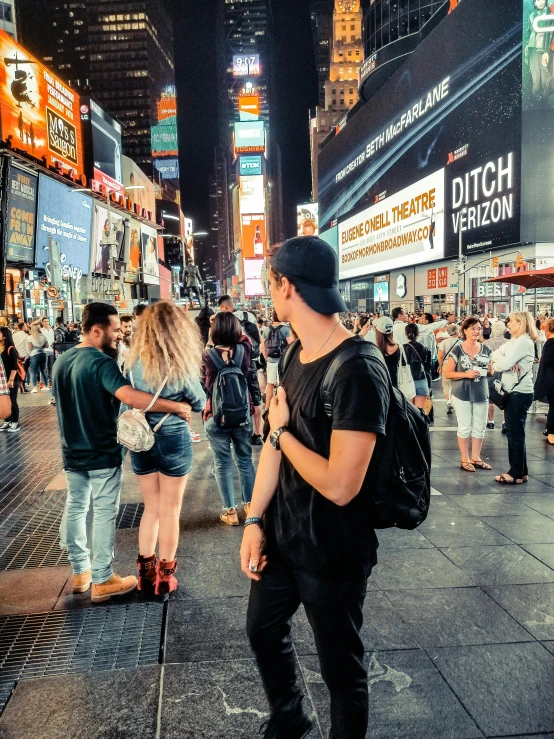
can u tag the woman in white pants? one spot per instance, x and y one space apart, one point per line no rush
468 366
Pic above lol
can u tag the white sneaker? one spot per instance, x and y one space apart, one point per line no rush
195 437
13 428
34 390
5 426
43 389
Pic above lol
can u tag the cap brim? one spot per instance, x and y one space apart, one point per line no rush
324 300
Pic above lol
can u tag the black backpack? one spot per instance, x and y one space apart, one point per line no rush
252 331
398 479
230 396
275 343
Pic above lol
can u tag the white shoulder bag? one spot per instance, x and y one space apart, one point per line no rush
406 383
133 430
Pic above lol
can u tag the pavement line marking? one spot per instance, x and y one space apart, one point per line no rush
160 704
443 428
435 492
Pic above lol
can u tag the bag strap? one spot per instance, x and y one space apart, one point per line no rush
452 347
522 378
238 356
402 354
216 359
156 396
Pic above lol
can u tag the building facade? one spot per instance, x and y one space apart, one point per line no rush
8 17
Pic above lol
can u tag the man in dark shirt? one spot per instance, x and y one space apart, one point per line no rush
88 388
315 544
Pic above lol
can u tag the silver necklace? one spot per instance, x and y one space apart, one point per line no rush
326 340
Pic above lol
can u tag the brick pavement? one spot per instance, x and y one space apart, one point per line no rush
459 627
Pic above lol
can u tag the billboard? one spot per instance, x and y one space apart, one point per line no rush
168 169
108 236
249 137
249 106
253 236
250 165
404 228
102 138
246 65
253 277
331 236
132 251
38 112
461 117
65 214
251 194
307 217
164 137
134 177
149 248
381 289
22 206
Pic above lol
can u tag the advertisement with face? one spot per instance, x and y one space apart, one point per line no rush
253 277
132 251
462 116
140 189
22 206
64 214
405 228
253 236
150 264
252 197
108 236
38 112
307 217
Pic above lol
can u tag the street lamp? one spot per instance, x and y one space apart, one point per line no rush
461 260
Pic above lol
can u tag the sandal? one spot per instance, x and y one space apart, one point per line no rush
480 465
467 466
230 517
503 480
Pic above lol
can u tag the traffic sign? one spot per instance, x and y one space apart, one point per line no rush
52 292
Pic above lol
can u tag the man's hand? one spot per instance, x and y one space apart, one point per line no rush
251 552
544 60
184 411
279 413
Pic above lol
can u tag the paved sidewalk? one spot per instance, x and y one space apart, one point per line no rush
459 627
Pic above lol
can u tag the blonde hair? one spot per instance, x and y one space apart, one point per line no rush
166 342
526 319
36 333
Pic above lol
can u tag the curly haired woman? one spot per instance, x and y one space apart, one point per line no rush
166 347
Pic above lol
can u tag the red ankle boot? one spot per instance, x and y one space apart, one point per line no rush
166 582
147 575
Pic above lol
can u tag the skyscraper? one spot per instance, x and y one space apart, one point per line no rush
118 51
7 17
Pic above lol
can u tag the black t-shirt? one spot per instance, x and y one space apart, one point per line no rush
84 383
310 532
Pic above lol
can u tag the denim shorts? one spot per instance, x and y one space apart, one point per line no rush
171 454
421 388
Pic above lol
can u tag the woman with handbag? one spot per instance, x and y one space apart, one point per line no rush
544 384
37 344
397 357
444 349
467 367
515 361
420 364
165 353
10 360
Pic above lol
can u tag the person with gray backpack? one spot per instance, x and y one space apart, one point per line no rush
275 340
227 379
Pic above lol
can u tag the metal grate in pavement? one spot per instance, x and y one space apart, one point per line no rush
129 515
64 642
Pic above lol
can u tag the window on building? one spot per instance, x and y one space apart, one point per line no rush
343 39
352 38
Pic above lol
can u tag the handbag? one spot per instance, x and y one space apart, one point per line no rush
133 430
20 366
406 383
500 397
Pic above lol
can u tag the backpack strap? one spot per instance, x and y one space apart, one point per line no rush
365 349
216 359
238 356
286 357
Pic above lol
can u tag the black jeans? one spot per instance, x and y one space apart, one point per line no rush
334 610
515 417
14 418
550 416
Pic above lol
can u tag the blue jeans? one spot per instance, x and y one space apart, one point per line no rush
105 487
38 368
221 441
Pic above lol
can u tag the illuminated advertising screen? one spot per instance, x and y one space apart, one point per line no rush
456 125
38 112
249 165
405 228
102 141
307 219
168 168
331 236
246 65
249 137
381 291
253 277
249 106
188 234
149 248
108 236
139 189
132 251
164 137
251 194
65 214
22 206
253 237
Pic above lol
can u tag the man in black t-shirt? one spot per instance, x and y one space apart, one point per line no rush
308 537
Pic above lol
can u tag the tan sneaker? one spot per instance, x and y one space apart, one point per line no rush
116 585
230 517
81 582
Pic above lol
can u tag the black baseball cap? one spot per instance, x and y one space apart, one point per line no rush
311 263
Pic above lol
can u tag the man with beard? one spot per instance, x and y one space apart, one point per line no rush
88 388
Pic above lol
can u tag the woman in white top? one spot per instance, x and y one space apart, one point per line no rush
514 360
37 344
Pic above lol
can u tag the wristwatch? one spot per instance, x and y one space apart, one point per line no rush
275 436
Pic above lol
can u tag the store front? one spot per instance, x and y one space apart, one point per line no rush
402 289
